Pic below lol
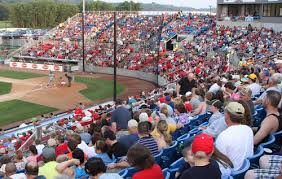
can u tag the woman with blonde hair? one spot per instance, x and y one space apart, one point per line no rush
161 135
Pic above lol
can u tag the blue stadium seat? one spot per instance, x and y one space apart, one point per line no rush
254 160
169 154
204 124
166 173
242 171
127 172
194 132
123 173
268 141
175 166
158 158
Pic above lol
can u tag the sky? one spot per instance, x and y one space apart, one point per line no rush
187 3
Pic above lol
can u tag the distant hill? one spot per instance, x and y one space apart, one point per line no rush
145 7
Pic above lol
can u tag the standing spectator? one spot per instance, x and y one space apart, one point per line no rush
96 168
116 148
132 137
237 141
273 121
120 118
202 149
186 84
140 157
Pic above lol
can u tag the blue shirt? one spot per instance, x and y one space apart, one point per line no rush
121 116
105 157
128 140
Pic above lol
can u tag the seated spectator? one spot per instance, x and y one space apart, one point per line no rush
272 122
246 96
217 122
33 154
102 152
253 86
62 147
203 106
189 161
72 145
116 148
146 139
10 171
236 142
97 169
85 136
132 137
39 146
19 160
181 113
270 167
31 170
4 161
162 135
141 158
82 145
168 112
202 149
49 168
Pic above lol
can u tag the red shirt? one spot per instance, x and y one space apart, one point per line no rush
62 149
154 172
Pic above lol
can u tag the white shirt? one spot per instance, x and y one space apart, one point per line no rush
255 88
86 149
39 148
214 88
237 143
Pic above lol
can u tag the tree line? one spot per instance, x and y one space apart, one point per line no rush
49 13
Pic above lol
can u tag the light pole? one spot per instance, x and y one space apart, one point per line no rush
83 45
115 58
210 10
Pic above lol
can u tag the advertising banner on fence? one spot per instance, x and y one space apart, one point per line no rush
35 66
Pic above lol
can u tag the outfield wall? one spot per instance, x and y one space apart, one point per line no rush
128 73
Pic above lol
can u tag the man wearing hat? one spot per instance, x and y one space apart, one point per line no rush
246 96
217 123
202 149
253 86
237 141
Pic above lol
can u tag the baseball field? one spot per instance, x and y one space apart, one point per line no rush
25 94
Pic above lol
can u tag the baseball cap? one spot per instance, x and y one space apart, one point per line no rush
132 123
51 142
167 98
216 103
245 91
34 119
235 108
203 143
188 94
252 76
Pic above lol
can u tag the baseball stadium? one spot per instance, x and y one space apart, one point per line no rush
128 89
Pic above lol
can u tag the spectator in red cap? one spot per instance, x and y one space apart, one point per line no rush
202 149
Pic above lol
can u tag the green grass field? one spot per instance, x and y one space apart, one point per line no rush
5 24
19 75
16 110
97 88
5 88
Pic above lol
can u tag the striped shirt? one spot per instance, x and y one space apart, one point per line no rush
150 143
